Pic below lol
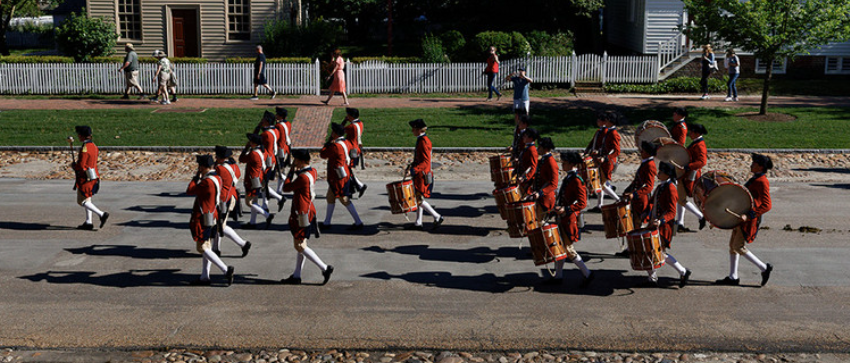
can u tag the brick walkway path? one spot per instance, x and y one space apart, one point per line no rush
312 119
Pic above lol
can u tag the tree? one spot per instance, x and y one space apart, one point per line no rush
17 8
84 38
771 29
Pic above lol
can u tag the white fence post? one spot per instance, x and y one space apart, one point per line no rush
348 77
573 69
604 66
318 78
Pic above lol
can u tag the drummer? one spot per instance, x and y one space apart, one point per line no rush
759 188
572 199
641 187
423 178
699 158
662 215
608 157
546 179
527 162
516 147
595 145
679 131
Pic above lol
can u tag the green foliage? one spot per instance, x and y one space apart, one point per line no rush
508 45
35 59
391 60
29 27
83 38
432 50
119 59
550 45
269 60
673 85
315 40
453 43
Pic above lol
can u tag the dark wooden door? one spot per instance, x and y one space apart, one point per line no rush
184 30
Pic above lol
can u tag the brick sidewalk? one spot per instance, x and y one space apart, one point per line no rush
310 126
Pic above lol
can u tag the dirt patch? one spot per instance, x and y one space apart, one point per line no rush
179 110
769 117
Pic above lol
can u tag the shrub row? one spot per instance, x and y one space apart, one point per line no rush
673 85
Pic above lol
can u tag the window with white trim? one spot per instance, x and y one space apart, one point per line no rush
837 65
779 66
238 20
130 19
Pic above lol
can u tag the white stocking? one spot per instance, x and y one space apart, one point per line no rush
675 264
580 263
208 254
652 275
205 268
353 212
299 264
755 260
230 233
693 209
329 213
90 206
733 265
559 269
216 243
255 208
607 190
428 208
419 212
680 215
274 194
308 252
88 216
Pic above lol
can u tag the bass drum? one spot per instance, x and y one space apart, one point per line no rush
650 130
717 191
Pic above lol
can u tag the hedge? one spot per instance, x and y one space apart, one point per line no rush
673 85
113 59
269 60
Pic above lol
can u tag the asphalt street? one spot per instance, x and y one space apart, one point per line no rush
466 285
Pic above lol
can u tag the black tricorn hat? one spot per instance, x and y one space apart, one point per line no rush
667 168
301 154
418 124
546 143
255 138
205 160
765 161
83 130
268 117
223 152
649 147
571 157
698 128
280 111
531 133
353 112
337 129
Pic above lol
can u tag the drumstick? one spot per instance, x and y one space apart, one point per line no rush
676 164
736 215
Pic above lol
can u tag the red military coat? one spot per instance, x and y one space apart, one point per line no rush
303 188
254 168
547 179
610 151
528 168
679 132
354 135
596 142
229 174
421 165
663 206
270 140
207 192
573 196
759 188
86 159
284 138
642 186
699 157
336 153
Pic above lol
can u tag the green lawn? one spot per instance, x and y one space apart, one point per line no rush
133 127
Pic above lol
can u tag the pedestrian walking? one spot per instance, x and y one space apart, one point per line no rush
733 65
521 83
162 77
708 65
130 67
260 66
87 177
338 75
492 70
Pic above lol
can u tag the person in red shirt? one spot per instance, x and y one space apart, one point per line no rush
228 171
354 135
270 139
284 144
641 187
594 148
546 179
492 71
759 188
336 151
679 130
662 215
87 177
527 162
522 123
301 181
699 158
206 187
423 177
572 199
608 156
254 159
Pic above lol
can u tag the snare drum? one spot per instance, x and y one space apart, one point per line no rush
497 163
617 219
645 249
402 197
505 196
650 130
505 177
716 191
546 245
669 150
589 172
523 214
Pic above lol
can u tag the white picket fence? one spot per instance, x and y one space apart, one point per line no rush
305 78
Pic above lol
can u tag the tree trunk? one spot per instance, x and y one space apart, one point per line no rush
4 26
765 91
299 13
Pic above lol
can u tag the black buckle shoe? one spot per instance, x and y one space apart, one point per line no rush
355 227
728 281
682 229
269 220
246 248
766 274
362 190
229 275
701 223
200 282
587 280
291 280
414 227
86 226
280 204
684 279
103 219
327 274
438 223
217 252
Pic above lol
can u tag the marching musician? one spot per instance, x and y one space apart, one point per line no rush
270 139
546 179
572 199
423 177
254 159
641 187
284 144
336 151
522 123
228 171
354 135
206 187
87 177
699 158
759 188
679 131
594 148
527 162
662 215
301 181
607 158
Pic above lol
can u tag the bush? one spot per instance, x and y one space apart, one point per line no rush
391 60
550 45
432 50
83 38
508 45
269 60
453 43
673 85
35 59
282 39
119 59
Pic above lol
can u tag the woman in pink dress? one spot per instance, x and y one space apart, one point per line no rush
338 84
